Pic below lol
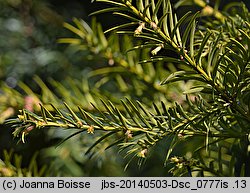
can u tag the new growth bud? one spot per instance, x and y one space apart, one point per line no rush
140 28
157 49
128 134
90 130
143 153
153 25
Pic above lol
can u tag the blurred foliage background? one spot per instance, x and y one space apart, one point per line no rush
30 55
